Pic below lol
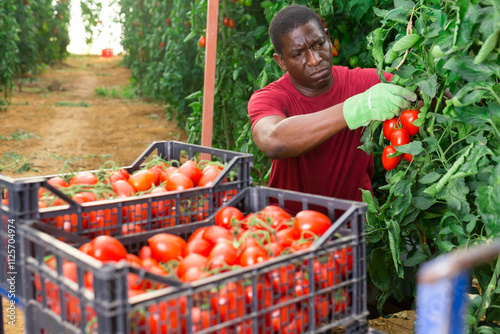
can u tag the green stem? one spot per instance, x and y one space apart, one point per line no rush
486 297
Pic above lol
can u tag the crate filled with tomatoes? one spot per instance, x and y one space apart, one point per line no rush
267 261
170 183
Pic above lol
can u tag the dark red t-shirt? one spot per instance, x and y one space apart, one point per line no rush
336 168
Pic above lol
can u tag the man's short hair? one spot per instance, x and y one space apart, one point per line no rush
287 19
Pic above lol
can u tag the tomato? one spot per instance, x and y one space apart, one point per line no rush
253 255
223 253
388 162
86 178
70 270
166 247
198 246
108 249
282 278
342 300
286 237
149 263
408 156
407 117
231 24
145 252
277 216
343 260
197 234
310 222
225 21
142 180
274 249
400 137
85 197
123 189
388 127
164 316
193 274
85 248
201 319
131 228
229 301
191 170
202 41
326 272
298 324
224 217
135 282
336 44
165 174
134 260
179 181
192 260
215 233
208 177
57 182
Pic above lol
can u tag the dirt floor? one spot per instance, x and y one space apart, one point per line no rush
60 119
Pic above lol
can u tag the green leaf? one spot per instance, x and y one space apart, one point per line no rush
379 270
405 42
394 243
422 201
430 178
368 199
488 46
445 245
429 86
415 148
455 195
415 259
464 67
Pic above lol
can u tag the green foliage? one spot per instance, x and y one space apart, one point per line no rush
448 197
33 34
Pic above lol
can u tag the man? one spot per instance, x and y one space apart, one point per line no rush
310 121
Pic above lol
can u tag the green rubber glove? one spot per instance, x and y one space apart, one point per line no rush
380 102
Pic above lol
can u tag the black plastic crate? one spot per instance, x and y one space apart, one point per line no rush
304 287
20 202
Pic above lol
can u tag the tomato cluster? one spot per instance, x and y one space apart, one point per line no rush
156 177
235 241
398 131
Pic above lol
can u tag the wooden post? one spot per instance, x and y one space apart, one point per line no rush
210 63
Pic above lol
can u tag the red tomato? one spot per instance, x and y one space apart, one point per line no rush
142 180
225 216
197 234
198 246
208 177
310 222
223 253
69 271
134 260
407 117
277 216
191 170
149 263
231 24
408 156
166 247
215 233
400 137
192 260
253 255
389 126
193 274
106 248
229 301
165 174
274 249
85 248
343 260
286 237
179 181
86 178
202 41
326 272
57 182
123 189
145 252
388 162
225 21
131 228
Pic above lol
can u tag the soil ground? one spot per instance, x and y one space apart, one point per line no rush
58 119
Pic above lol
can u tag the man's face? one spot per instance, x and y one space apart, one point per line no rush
307 57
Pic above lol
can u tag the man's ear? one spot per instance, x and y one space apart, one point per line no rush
279 59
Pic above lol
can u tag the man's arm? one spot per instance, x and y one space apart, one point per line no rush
279 137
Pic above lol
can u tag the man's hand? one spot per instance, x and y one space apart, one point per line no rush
380 102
